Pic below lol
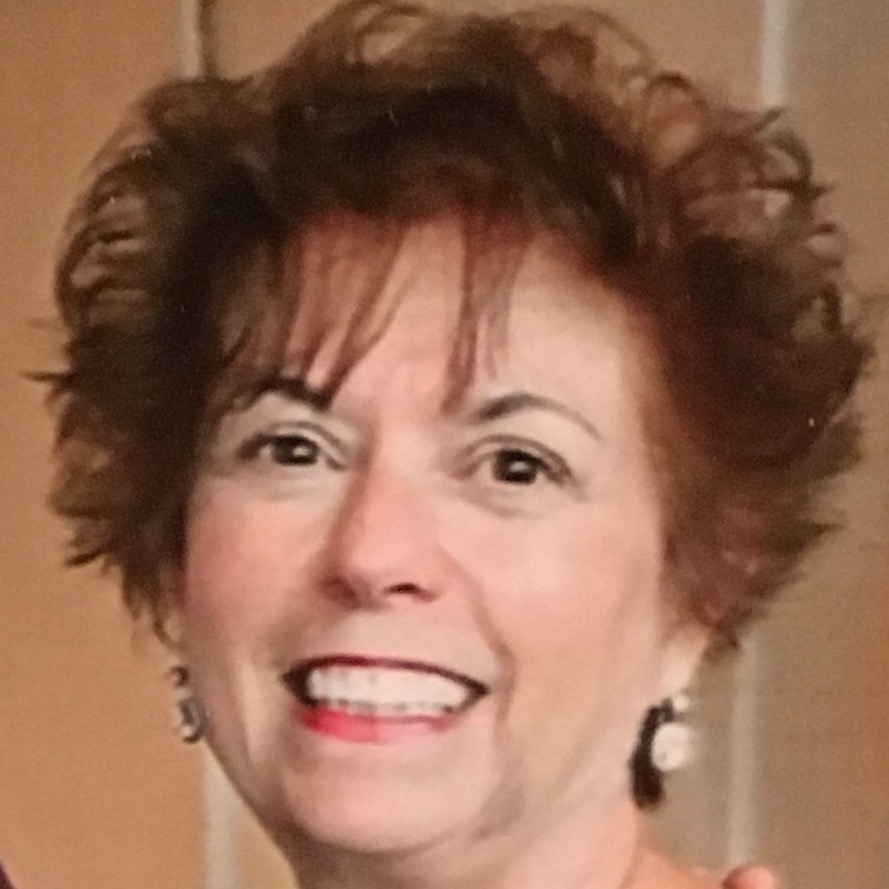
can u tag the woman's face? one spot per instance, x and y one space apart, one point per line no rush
413 625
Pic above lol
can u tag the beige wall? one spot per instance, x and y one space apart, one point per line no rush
93 791
824 682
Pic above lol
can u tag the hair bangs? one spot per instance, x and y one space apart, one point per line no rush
314 305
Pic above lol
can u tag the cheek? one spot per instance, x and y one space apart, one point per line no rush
576 606
588 578
237 566
576 609
218 565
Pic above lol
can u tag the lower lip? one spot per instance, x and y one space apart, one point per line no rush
365 729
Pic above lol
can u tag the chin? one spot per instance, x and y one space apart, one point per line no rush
366 816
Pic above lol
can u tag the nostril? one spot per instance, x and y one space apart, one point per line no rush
411 589
370 593
379 594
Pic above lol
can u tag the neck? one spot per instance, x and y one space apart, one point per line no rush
582 850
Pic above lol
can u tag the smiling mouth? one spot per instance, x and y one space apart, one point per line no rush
381 689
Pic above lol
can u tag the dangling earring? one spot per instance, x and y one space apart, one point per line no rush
190 719
666 743
673 742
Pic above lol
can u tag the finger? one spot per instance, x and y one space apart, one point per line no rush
751 876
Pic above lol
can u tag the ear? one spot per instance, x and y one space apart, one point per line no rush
168 622
683 653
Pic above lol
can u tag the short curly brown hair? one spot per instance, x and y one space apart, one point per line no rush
705 218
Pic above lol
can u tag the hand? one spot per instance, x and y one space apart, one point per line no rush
751 876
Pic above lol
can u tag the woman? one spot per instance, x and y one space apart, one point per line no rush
444 394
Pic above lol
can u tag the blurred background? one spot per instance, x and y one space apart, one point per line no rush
95 793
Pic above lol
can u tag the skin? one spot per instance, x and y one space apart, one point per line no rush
751 876
515 538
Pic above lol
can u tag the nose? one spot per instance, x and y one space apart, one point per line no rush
384 547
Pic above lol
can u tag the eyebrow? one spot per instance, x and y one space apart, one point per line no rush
293 389
515 402
298 390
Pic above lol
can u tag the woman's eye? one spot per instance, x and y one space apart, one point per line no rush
516 467
516 463
289 449
292 450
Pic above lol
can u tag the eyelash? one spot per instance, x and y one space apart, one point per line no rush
277 439
550 464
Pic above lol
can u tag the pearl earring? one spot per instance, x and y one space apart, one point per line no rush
673 744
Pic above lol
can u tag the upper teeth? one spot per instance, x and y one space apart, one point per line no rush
400 691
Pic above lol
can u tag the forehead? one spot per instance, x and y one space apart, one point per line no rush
476 286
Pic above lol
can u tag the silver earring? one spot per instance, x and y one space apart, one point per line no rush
190 719
673 743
